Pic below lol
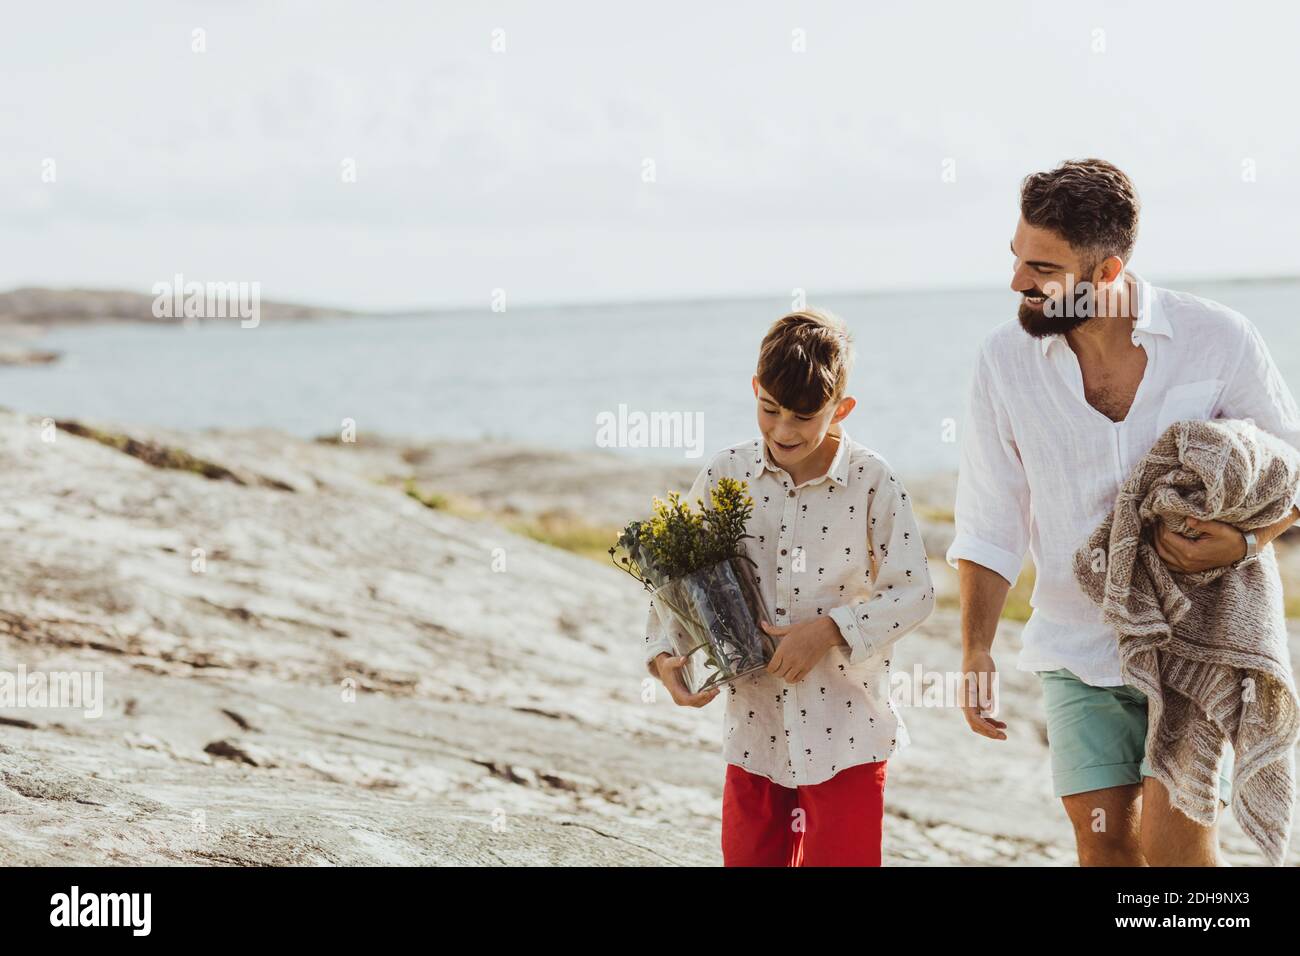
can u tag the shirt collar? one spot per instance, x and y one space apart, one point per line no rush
837 472
1151 318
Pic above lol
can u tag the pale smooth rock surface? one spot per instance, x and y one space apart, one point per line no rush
319 670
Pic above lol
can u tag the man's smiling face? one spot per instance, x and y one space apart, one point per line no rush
1047 273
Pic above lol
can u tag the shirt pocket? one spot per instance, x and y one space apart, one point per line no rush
1193 401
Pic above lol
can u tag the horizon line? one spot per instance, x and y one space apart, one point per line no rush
652 300
715 298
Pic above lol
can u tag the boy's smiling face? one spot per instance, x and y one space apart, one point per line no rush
795 438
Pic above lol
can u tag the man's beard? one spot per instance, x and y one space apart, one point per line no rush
1040 325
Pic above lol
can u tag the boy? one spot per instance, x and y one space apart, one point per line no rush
843 571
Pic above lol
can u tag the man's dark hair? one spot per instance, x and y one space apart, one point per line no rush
1089 203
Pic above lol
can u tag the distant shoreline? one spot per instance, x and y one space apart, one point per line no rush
46 307
25 309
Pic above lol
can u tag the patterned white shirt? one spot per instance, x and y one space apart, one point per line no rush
814 544
1041 468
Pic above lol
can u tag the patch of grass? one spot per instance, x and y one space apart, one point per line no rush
553 528
556 529
455 505
569 534
431 500
161 456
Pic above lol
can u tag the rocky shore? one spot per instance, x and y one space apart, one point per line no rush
37 308
336 653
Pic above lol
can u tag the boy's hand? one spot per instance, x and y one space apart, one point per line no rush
670 673
801 646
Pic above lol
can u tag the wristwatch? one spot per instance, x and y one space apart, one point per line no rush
1252 549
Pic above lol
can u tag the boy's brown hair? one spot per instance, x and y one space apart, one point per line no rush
805 360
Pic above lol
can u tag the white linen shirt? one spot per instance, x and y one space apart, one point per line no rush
814 544
1041 468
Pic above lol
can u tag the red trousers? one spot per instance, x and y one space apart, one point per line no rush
833 823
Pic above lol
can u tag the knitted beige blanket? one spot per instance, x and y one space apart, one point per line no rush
1208 649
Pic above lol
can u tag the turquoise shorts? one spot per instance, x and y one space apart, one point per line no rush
1097 736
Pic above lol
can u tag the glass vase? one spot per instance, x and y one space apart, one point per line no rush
712 617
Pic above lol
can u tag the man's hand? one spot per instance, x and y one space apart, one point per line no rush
1217 545
983 595
979 695
670 673
801 646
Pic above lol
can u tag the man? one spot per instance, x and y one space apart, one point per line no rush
1064 403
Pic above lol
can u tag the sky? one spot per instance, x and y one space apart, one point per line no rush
397 156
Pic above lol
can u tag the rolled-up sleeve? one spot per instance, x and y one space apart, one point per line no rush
992 508
902 593
1258 391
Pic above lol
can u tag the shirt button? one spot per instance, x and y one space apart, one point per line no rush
791 494
780 610
783 552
